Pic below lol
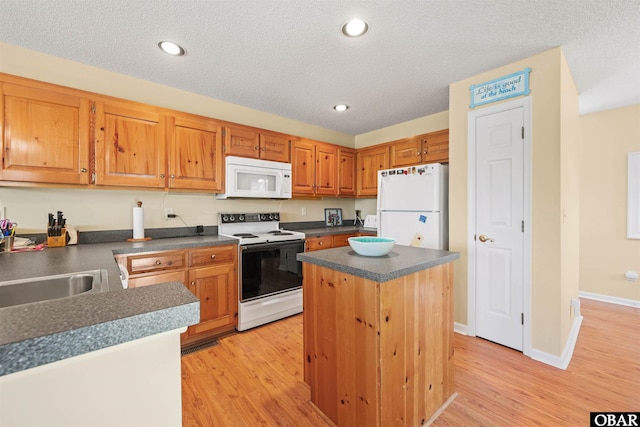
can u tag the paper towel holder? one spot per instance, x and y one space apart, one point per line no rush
141 239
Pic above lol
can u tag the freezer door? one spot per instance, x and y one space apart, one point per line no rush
416 188
420 229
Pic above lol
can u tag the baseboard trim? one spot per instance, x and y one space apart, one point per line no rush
560 362
609 299
459 328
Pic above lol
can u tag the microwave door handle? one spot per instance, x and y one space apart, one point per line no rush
281 175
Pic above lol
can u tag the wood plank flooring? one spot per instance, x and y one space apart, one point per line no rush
255 378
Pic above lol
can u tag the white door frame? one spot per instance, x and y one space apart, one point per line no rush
526 103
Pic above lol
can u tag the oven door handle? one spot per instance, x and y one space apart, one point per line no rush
269 245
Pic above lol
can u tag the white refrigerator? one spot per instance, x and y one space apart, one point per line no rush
412 205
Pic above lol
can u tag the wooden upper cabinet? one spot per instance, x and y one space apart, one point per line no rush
195 153
428 148
436 147
245 141
303 167
242 141
368 162
314 168
130 145
326 169
346 171
275 147
405 152
45 134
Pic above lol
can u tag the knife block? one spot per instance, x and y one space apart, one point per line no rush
57 241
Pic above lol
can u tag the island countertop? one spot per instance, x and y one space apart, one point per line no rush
402 260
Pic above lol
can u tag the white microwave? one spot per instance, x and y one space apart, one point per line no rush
245 177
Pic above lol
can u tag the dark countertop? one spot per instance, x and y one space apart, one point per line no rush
402 260
325 231
43 332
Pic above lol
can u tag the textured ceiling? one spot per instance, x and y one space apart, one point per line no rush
290 58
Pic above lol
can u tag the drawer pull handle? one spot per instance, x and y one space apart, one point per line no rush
320 243
158 262
213 256
193 283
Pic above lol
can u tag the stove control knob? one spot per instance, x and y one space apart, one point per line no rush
270 217
232 218
241 218
276 217
263 217
225 218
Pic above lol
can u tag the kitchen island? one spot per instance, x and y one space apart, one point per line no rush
378 334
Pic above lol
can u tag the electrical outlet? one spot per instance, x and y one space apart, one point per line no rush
303 211
167 212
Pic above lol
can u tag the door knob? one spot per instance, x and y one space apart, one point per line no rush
484 238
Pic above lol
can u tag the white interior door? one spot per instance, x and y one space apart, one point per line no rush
499 219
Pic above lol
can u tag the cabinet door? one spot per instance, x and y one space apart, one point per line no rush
154 279
436 147
155 262
130 145
326 177
318 243
346 172
369 162
340 240
217 289
195 154
275 147
303 179
243 142
45 135
405 152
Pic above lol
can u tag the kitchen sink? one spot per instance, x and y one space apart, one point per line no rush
25 291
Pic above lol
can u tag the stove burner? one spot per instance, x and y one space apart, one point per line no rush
280 233
245 235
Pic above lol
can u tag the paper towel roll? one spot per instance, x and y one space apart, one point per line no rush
138 223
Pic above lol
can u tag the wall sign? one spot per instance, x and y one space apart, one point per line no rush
515 84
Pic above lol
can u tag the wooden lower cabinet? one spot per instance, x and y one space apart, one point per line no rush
210 273
327 242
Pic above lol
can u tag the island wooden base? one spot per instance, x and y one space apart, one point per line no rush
378 354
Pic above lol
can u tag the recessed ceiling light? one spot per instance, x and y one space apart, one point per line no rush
171 48
341 107
355 27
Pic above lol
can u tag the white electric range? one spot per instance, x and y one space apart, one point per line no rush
270 276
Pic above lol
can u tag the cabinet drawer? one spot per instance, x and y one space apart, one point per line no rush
211 255
317 243
173 276
340 240
155 262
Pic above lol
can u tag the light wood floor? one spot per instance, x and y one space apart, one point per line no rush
254 378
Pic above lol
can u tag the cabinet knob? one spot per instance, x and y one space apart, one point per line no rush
158 262
172 176
426 151
83 170
161 175
213 256
193 283
257 148
320 243
264 148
